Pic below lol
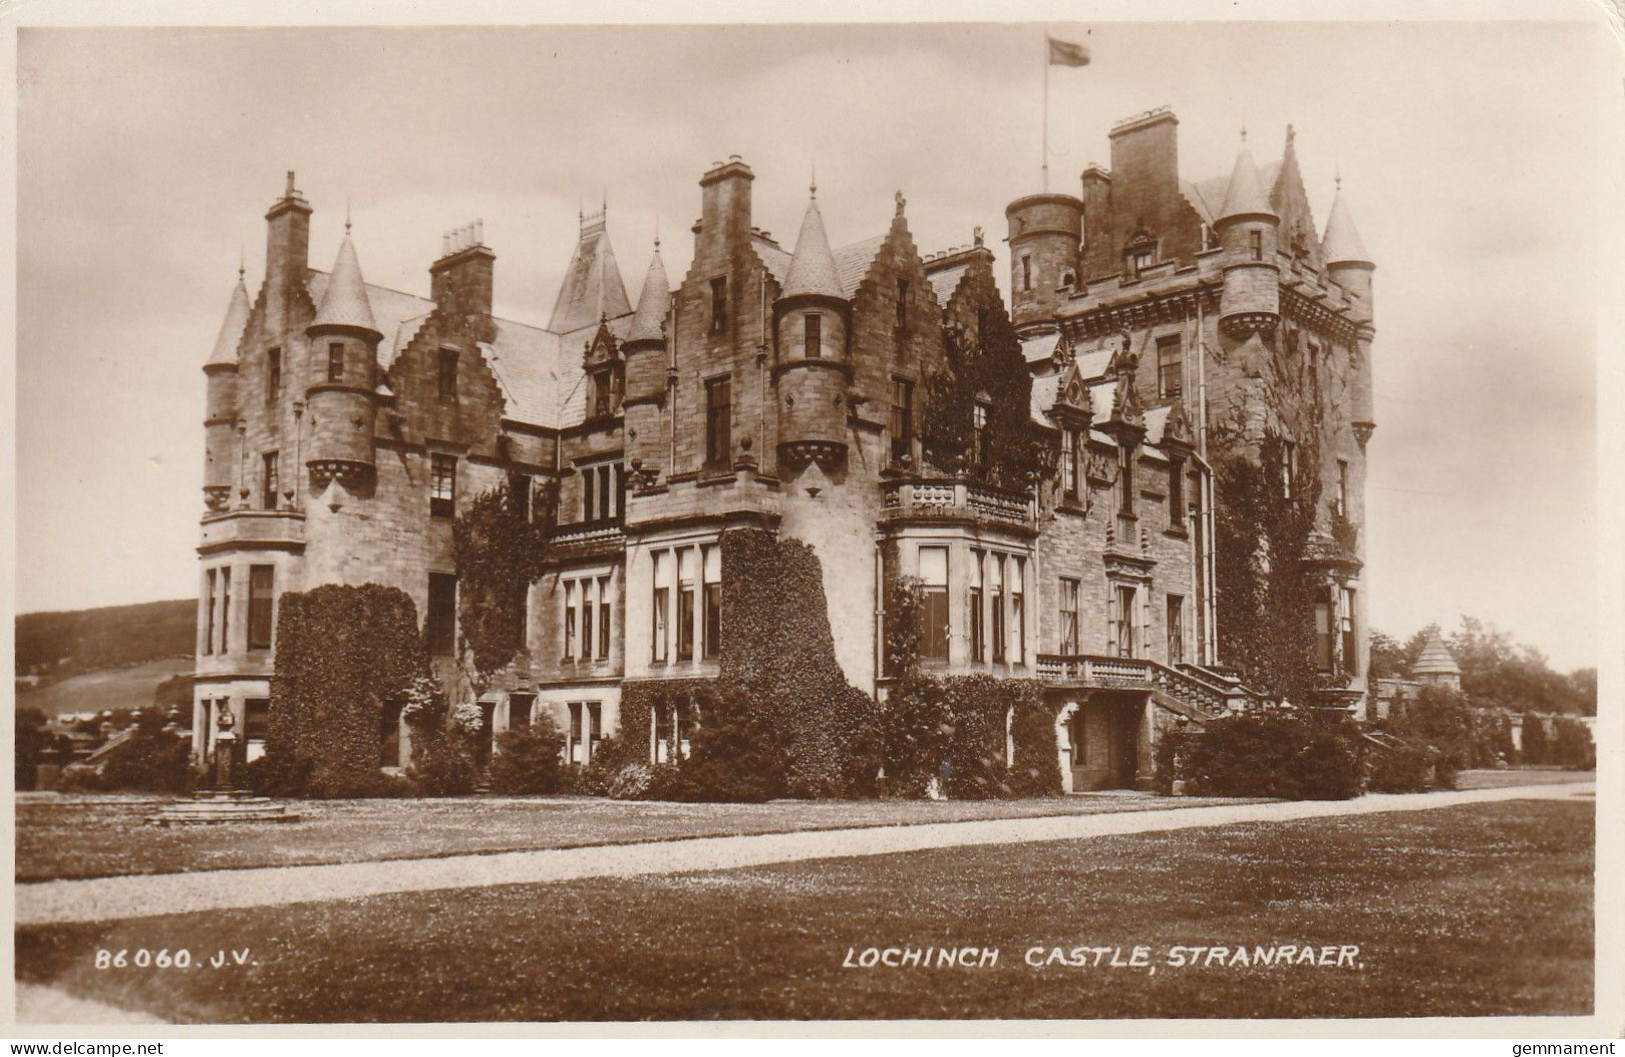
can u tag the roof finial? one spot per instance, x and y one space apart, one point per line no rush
812 184
346 214
1244 130
657 232
1337 171
900 201
606 198
242 270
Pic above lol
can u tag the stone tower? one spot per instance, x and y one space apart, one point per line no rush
810 319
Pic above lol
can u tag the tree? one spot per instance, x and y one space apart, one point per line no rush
1389 658
1535 742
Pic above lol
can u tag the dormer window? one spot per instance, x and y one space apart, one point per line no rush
1139 259
812 329
607 382
447 375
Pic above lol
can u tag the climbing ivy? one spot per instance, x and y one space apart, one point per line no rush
498 553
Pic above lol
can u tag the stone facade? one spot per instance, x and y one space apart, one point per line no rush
348 424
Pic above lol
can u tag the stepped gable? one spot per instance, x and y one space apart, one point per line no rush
592 288
1297 231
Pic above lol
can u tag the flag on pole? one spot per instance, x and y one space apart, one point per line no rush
1066 53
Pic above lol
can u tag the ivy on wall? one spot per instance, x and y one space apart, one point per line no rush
985 363
498 554
342 652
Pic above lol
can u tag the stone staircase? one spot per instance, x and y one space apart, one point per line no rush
208 806
1194 692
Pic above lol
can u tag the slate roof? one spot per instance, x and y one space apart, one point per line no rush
1207 196
231 329
1436 658
1342 242
774 256
812 268
1039 346
344 300
1045 388
852 262
946 281
592 287
654 301
571 376
1245 195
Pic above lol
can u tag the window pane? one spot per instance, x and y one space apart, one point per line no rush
260 602
934 566
812 326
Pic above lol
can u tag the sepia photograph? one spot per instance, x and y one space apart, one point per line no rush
1081 518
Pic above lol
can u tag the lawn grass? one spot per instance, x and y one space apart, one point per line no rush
102 836
1469 911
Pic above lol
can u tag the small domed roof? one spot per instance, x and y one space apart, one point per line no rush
654 302
812 269
1436 658
1245 194
1342 243
231 331
344 303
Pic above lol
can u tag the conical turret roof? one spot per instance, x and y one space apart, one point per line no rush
1342 244
1245 195
345 303
231 331
1436 658
812 269
593 289
653 303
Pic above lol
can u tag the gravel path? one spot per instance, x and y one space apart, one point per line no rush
117 898
47 1005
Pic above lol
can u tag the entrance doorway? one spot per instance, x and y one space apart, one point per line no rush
1104 738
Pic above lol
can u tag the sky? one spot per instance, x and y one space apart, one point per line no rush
1468 154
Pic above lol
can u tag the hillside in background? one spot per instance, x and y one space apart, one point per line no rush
55 646
115 688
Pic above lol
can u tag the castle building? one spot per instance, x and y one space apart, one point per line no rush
797 390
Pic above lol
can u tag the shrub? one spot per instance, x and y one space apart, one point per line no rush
954 728
1535 742
1441 719
733 754
1277 753
1572 747
441 765
529 760
152 761
1400 769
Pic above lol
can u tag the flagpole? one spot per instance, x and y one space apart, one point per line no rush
1045 168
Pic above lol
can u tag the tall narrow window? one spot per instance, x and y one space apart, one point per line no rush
1026 273
569 620
1176 629
1176 493
574 749
1125 480
600 393
1069 615
1069 463
225 610
1256 241
660 604
604 621
1170 367
447 374
1018 609
934 603
902 419
996 601
973 607
589 589
812 330
519 495
335 361
712 627
440 626
685 604
902 305
1323 632
1289 467
719 303
718 423
1124 611
1351 652
442 485
261 600
979 445
268 481
273 376
589 481
208 612
1343 487
606 496
617 387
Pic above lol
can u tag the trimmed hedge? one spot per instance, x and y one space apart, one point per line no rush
1278 753
341 652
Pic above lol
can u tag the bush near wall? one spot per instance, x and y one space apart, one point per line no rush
1572 746
528 761
1274 753
341 652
